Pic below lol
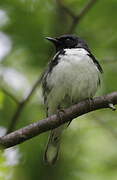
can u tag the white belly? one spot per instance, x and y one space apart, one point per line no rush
73 79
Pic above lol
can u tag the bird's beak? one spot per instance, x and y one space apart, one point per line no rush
54 40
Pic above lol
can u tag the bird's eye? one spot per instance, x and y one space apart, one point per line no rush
68 40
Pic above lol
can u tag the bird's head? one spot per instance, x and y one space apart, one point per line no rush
67 41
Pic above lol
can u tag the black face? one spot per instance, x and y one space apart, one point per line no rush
68 41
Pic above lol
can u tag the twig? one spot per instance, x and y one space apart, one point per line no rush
21 105
53 121
76 18
66 9
111 106
86 8
82 13
10 95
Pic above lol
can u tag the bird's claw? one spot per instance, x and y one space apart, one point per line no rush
59 114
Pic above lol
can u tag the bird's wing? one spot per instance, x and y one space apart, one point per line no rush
95 61
46 88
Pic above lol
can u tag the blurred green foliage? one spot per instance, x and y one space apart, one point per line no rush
89 145
5 170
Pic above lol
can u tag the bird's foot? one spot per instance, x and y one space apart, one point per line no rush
91 103
59 113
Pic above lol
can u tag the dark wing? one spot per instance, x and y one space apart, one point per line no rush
55 60
96 62
94 59
45 86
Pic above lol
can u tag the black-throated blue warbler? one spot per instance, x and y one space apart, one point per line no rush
72 75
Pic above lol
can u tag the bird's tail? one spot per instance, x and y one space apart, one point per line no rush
52 148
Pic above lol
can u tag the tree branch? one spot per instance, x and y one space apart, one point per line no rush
21 105
53 121
10 95
82 13
66 9
76 18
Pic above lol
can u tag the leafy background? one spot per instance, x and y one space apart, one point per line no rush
89 145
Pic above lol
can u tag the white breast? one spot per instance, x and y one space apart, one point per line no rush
73 79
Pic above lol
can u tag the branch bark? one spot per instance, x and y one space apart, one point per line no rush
53 121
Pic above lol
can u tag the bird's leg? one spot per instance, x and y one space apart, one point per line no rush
91 103
60 111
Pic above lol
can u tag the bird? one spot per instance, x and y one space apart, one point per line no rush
73 75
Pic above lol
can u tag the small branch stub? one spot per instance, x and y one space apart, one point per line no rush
111 106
